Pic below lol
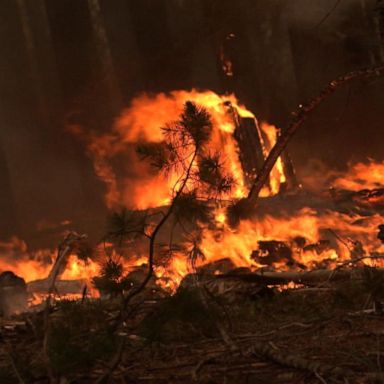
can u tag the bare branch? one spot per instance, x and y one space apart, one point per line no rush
63 251
299 118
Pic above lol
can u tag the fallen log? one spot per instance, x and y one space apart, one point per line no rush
287 359
305 278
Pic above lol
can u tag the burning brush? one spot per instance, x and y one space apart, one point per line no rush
196 169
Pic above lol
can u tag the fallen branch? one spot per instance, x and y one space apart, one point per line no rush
63 251
263 349
299 117
305 278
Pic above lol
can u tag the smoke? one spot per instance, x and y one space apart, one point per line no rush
321 13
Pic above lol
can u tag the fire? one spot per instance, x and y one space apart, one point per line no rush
36 265
80 269
277 175
362 176
220 216
142 121
305 238
14 256
170 277
239 244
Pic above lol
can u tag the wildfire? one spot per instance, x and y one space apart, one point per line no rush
143 121
305 238
362 176
308 224
80 269
34 265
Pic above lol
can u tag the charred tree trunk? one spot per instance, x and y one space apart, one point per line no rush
252 152
289 171
105 56
247 135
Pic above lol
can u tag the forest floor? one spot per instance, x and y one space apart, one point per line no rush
295 335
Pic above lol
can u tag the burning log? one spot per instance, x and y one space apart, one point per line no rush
252 150
289 172
247 135
365 201
242 283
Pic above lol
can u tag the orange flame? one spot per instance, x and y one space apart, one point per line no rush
277 176
139 188
135 186
362 176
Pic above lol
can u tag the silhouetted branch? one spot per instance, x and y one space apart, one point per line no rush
63 251
299 117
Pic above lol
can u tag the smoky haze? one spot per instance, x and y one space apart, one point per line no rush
79 63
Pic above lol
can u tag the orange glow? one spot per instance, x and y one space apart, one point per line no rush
37 264
277 176
142 121
80 269
362 176
313 238
169 277
238 244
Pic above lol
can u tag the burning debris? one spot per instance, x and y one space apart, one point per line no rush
173 251
286 231
218 263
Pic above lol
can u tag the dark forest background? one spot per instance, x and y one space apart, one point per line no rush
82 61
